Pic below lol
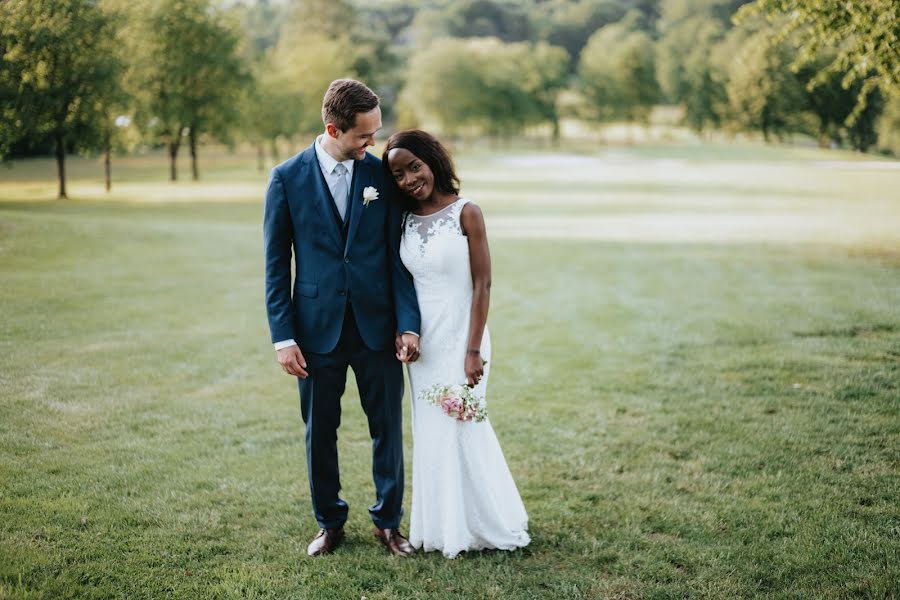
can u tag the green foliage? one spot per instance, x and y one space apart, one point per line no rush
188 65
889 128
190 75
706 104
689 54
764 94
832 104
269 108
483 85
305 64
688 72
261 24
675 11
573 24
59 72
865 36
617 70
488 18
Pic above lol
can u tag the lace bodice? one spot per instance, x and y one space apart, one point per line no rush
443 221
436 253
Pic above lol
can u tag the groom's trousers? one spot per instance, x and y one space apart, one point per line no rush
379 377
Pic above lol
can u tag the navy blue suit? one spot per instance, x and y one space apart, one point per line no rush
349 297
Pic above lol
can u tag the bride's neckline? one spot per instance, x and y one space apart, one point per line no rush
438 211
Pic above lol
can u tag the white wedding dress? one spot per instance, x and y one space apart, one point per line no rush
463 495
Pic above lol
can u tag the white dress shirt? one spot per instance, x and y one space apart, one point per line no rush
327 163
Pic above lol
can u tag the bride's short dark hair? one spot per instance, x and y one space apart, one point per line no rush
430 151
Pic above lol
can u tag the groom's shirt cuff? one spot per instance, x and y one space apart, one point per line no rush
289 343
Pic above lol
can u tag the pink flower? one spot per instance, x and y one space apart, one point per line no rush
452 405
457 402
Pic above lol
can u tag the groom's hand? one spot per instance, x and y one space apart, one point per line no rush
407 345
292 361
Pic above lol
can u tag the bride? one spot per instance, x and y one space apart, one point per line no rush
464 497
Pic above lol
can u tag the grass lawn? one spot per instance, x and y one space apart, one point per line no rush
696 383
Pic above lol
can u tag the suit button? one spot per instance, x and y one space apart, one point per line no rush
342 293
346 260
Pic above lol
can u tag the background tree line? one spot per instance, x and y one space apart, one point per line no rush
107 75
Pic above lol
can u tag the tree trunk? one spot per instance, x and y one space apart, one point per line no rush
274 150
61 164
260 157
107 167
192 139
556 132
173 155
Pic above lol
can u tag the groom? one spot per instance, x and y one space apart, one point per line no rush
351 303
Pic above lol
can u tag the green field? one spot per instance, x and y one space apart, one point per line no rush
695 381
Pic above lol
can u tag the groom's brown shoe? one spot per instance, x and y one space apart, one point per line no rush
394 541
326 541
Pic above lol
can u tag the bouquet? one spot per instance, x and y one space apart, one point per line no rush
456 401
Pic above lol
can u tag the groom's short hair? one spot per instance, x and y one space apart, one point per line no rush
344 99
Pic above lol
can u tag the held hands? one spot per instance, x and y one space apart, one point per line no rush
292 361
474 367
407 345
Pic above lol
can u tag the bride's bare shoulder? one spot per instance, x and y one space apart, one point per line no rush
471 219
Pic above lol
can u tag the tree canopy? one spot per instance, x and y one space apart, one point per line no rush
865 35
59 72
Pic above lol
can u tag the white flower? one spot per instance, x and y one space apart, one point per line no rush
369 194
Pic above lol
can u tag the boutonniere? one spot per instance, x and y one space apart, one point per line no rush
369 194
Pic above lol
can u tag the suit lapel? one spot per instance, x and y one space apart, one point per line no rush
322 197
355 206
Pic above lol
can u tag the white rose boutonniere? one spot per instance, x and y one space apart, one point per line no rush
369 194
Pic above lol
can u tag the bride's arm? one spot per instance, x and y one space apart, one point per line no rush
472 222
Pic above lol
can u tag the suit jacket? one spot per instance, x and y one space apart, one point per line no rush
359 263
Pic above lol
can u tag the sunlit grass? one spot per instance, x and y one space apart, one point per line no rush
683 418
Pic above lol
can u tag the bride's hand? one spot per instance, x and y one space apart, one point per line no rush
474 367
407 346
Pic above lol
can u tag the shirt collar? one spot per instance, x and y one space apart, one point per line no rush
327 161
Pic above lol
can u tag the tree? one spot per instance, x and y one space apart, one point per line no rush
865 35
570 24
674 11
305 81
763 93
545 76
261 23
678 42
269 108
286 96
832 104
687 71
190 78
618 73
705 103
57 75
889 128
488 18
483 85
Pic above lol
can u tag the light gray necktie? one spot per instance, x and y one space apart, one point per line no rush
341 189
